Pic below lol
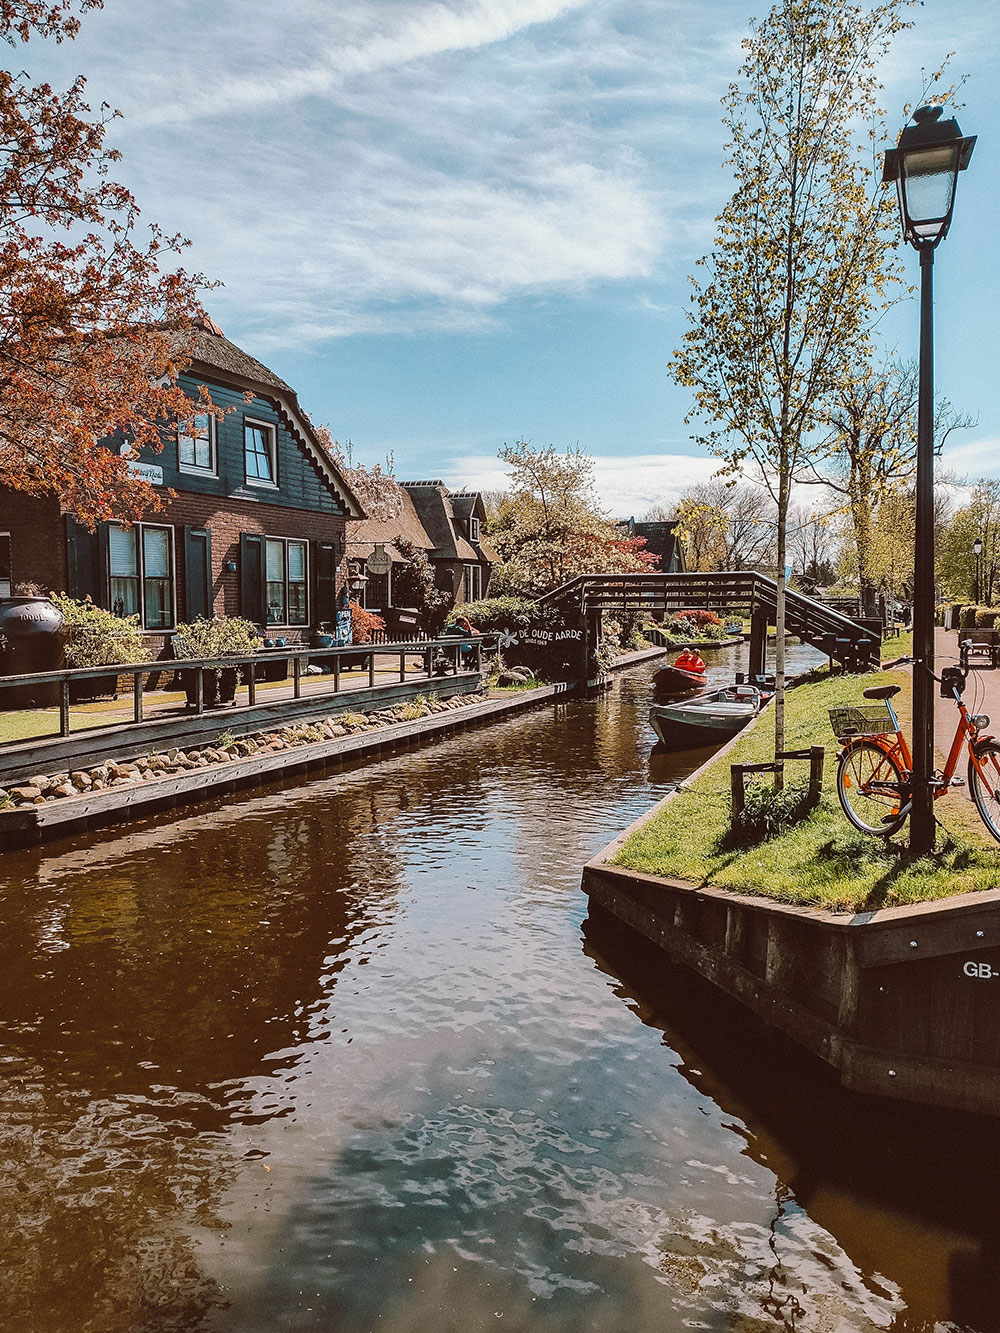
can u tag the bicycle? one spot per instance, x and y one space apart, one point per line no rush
875 767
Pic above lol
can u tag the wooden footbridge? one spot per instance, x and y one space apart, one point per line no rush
854 644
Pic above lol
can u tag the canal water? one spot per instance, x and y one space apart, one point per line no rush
349 1055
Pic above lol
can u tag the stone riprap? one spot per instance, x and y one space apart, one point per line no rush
42 788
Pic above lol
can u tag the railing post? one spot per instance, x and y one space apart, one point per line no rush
199 689
402 666
297 677
251 675
371 668
336 674
428 662
64 708
137 696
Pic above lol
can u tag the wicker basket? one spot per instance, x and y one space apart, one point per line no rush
861 720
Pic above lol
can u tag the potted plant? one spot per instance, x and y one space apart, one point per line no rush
222 636
97 638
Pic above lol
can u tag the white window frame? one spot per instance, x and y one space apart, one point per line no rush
473 529
196 469
473 583
140 547
286 623
272 435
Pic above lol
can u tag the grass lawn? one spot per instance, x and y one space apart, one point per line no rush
821 861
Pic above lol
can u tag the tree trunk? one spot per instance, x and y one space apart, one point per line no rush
779 630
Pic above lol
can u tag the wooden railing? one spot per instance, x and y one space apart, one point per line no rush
452 650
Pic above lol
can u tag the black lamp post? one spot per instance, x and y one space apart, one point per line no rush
925 165
977 547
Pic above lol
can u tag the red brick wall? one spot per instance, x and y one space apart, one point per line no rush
226 524
38 544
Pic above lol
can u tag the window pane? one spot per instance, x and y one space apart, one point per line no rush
159 609
257 441
156 553
296 561
297 604
6 569
276 604
122 548
124 596
275 562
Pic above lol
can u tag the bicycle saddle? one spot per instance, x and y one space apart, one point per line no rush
882 691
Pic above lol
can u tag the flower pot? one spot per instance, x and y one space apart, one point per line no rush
218 687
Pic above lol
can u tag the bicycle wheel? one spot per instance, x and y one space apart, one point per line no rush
863 769
986 794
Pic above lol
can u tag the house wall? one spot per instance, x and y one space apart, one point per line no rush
38 554
300 484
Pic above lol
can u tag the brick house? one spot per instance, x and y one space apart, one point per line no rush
257 526
446 524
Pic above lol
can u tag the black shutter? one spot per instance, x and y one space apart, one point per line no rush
197 573
326 583
87 563
252 585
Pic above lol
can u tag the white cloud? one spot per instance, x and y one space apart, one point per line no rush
625 486
972 458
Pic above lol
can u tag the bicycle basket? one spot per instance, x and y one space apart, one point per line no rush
861 720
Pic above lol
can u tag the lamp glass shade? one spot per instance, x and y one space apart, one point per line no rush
977 546
927 189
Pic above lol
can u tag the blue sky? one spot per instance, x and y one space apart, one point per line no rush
454 223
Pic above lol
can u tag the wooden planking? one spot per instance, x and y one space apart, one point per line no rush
95 744
119 804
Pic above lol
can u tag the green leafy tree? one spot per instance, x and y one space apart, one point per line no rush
548 527
414 585
872 418
956 560
800 255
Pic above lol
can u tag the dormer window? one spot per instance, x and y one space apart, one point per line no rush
259 453
196 445
473 529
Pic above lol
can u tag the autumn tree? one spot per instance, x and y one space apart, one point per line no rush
373 486
800 251
548 526
93 316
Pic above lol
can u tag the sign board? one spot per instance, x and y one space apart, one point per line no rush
342 636
146 472
379 562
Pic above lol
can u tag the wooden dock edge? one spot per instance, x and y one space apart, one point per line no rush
902 1001
30 825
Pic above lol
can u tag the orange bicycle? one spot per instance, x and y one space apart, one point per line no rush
875 767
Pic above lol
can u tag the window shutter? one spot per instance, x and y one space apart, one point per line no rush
87 563
197 573
326 582
252 577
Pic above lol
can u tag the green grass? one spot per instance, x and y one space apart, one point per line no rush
821 861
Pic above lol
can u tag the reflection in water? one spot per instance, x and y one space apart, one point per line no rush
333 1058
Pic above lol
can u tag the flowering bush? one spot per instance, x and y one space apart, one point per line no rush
364 623
700 618
95 637
222 636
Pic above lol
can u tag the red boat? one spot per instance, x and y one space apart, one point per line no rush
685 676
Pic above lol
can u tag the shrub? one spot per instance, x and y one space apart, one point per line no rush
95 637
492 614
766 812
364 623
986 617
703 619
222 636
967 617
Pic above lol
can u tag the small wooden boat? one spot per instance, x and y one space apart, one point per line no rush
708 719
673 680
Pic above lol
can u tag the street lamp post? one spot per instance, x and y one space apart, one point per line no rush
924 165
977 547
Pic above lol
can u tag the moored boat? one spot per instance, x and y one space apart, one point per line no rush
708 719
670 680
